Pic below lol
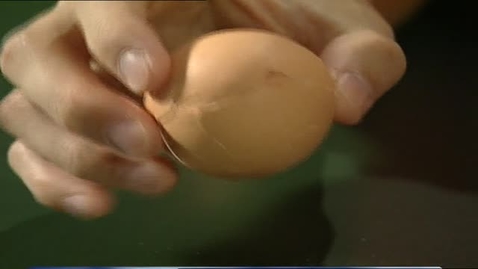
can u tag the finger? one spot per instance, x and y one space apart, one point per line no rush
365 65
79 156
54 73
120 38
56 189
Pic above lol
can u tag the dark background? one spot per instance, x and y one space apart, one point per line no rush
401 189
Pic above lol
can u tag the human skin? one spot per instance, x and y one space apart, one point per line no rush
81 131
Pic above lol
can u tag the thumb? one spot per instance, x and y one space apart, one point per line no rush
365 65
121 40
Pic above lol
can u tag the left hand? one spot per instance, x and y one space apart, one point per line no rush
79 134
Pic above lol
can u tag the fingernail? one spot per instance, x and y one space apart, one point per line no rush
134 67
149 178
355 89
128 137
77 205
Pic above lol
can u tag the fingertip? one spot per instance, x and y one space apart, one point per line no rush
171 175
141 71
128 129
151 178
153 144
365 66
88 206
124 43
54 188
354 96
11 46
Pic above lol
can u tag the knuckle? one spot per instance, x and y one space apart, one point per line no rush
10 102
375 37
377 23
82 113
387 31
9 108
71 110
391 58
39 184
104 166
396 54
104 40
13 48
40 190
107 162
61 5
73 159
388 49
14 151
89 162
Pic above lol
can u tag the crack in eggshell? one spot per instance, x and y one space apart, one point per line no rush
250 119
196 111
192 105
197 116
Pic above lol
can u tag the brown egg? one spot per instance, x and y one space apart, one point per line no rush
244 103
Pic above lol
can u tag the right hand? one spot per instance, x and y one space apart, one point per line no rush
79 133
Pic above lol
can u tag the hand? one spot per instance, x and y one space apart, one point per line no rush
81 67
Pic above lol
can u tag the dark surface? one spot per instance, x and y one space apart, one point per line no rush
401 189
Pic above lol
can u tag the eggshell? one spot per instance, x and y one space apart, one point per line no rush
244 103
